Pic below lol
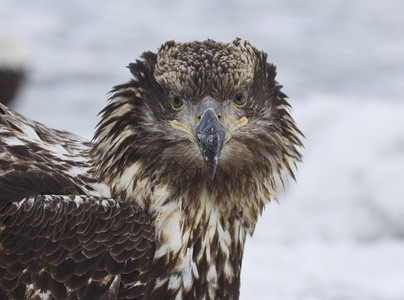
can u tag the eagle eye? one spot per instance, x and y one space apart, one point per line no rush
176 102
239 100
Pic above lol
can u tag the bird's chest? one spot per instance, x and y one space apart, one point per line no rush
198 253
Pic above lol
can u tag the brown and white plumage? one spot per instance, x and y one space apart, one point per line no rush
158 206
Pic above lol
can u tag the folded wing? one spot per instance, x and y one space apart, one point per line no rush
81 247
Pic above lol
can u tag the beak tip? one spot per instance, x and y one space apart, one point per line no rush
212 170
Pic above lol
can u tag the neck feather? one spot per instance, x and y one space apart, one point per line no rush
200 246
199 239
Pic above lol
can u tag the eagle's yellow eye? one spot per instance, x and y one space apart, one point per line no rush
239 100
176 102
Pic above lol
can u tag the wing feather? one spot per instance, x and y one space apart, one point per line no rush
74 246
36 159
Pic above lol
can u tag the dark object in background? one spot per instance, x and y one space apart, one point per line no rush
10 81
13 57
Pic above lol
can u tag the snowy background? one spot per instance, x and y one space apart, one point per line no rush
338 232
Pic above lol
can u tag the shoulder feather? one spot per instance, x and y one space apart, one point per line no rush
74 246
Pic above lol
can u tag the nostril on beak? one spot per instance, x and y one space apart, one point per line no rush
206 104
199 117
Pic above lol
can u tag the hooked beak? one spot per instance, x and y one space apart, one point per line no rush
210 135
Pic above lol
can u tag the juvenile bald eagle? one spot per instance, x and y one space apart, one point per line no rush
158 206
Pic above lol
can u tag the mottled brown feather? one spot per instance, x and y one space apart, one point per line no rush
28 244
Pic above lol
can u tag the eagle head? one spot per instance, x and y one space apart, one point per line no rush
199 116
